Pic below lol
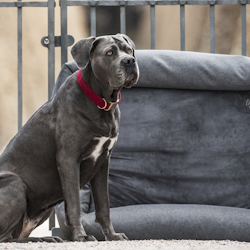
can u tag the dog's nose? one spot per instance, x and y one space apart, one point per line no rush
128 61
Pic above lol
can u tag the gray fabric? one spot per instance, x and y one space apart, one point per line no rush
193 70
182 142
66 71
178 146
163 221
184 70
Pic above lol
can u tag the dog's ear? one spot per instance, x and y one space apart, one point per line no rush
81 51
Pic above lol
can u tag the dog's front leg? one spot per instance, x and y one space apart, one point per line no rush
99 186
69 174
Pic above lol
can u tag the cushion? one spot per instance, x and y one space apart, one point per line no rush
192 70
183 70
163 221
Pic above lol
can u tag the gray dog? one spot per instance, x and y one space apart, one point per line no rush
67 143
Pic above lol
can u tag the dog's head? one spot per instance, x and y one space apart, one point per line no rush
112 59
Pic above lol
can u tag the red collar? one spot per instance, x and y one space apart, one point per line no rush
99 101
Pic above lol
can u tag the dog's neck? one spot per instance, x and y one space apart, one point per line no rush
101 88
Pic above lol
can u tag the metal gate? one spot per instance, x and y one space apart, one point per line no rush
64 40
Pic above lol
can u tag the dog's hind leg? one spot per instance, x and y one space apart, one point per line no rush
12 205
42 217
15 226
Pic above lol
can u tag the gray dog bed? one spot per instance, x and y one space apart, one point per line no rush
180 168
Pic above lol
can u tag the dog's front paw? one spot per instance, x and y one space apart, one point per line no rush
116 236
84 238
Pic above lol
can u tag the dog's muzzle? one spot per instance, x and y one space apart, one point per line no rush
129 63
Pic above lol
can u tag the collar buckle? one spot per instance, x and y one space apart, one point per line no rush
110 106
105 104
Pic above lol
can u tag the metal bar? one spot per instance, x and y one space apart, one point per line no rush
20 66
51 47
146 2
116 3
152 25
93 21
243 30
51 68
23 4
212 29
123 19
182 21
52 220
64 30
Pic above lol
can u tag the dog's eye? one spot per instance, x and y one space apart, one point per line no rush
129 51
109 53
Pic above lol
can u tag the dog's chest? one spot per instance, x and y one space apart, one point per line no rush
104 145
